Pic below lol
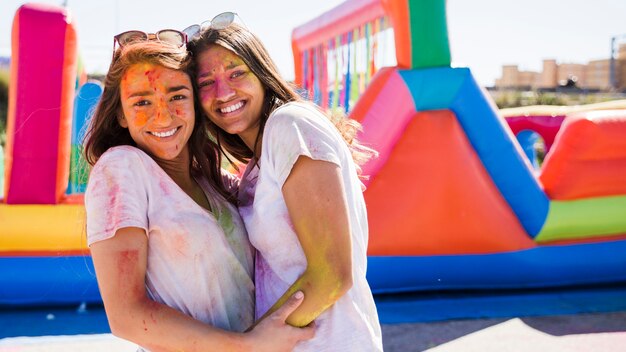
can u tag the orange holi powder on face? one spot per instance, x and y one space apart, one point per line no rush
158 109
140 119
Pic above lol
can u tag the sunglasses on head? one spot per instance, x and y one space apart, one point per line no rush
220 21
170 36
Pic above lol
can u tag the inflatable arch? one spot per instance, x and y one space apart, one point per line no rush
452 200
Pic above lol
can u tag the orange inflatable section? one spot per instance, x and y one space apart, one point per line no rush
70 63
589 157
398 12
434 177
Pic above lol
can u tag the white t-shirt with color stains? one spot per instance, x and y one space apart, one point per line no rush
292 130
199 262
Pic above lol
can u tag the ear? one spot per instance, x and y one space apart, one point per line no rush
121 119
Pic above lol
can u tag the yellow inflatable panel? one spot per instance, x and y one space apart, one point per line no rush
43 228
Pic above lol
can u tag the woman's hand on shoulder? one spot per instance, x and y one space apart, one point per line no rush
274 334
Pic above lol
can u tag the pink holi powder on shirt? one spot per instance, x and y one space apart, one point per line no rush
134 192
163 185
180 244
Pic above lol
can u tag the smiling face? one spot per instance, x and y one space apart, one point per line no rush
231 95
158 109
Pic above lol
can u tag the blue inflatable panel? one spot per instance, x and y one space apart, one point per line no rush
84 106
51 321
429 306
527 140
47 280
434 88
501 156
546 266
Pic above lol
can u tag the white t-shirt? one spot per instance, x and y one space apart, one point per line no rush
199 262
295 129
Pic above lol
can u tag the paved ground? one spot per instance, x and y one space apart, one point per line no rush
581 332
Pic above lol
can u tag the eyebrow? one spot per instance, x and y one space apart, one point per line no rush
176 88
229 67
149 92
141 94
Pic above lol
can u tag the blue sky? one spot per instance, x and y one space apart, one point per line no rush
484 34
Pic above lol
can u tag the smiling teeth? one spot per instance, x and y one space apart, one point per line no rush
165 134
231 108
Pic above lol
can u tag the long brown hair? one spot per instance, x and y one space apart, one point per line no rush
278 91
105 132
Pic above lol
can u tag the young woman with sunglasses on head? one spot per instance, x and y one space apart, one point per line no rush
300 195
172 258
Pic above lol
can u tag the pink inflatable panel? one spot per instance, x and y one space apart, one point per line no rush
546 126
39 122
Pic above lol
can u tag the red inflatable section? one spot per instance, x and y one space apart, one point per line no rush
433 177
43 78
589 158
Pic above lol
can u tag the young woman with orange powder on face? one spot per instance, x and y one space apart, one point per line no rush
300 195
172 258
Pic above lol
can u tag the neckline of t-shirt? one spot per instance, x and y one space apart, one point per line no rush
207 193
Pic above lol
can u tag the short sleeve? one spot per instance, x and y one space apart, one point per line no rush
116 195
294 130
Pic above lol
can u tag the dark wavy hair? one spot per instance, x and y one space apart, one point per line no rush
278 91
105 132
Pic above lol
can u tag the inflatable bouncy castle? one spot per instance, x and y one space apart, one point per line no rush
43 253
453 202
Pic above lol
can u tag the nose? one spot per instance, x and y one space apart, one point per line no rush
224 91
163 115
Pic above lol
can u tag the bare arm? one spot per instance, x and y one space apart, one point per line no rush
120 264
316 201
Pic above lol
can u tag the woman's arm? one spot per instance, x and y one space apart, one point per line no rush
315 198
120 264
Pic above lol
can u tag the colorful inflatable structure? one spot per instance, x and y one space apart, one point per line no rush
529 123
453 201
43 253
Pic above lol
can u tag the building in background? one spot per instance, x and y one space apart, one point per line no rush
595 75
5 63
620 63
